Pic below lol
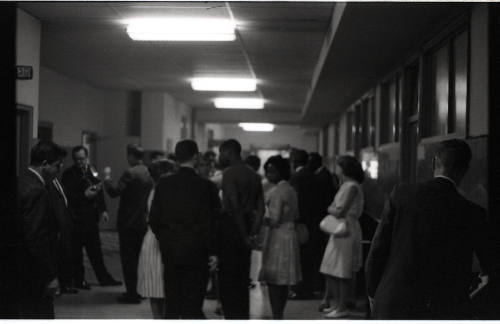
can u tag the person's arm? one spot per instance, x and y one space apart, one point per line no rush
340 210
380 247
115 191
155 210
36 235
214 214
233 207
275 209
486 246
259 211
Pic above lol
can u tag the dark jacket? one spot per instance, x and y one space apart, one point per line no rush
309 198
63 215
38 256
419 265
183 217
327 189
75 181
242 204
133 188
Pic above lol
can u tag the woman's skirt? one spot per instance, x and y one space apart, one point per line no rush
150 271
280 256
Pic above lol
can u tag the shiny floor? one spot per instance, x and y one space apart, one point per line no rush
100 302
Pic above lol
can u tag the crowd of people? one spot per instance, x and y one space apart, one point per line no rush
190 219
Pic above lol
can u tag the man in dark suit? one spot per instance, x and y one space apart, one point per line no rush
420 262
86 200
309 199
243 209
37 258
65 221
133 188
183 217
327 189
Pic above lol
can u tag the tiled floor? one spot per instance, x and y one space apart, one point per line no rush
100 302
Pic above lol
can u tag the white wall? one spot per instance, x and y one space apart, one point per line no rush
281 136
28 30
71 106
162 119
479 89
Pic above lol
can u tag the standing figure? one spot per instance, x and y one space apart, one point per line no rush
86 200
343 254
133 188
65 221
280 251
308 195
37 259
183 218
150 271
420 262
243 208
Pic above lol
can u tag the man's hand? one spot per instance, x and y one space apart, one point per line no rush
91 192
105 216
53 288
213 262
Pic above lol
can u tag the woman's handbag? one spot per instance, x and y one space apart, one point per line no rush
334 226
302 233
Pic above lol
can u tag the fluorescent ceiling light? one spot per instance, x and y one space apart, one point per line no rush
239 103
188 29
223 84
257 127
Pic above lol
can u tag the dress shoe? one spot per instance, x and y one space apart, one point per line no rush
111 282
69 290
323 306
336 313
82 285
128 299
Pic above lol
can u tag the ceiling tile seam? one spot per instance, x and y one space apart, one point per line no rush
337 14
243 48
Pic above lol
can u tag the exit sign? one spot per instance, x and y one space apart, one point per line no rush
24 72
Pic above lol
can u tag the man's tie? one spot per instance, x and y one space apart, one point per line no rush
61 191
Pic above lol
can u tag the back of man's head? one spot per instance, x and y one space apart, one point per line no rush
253 161
315 161
455 156
231 146
136 151
300 158
185 150
156 155
46 151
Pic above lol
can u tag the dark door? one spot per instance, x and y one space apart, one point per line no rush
24 126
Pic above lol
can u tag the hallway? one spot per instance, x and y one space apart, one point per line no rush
100 302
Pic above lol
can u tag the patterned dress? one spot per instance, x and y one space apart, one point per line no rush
343 255
150 271
280 252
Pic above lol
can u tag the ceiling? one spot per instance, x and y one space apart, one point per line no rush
312 59
279 43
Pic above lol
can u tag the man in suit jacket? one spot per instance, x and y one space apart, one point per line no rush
86 200
65 221
242 213
420 262
327 189
310 201
133 188
37 259
183 217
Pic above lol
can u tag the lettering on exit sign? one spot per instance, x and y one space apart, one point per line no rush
24 72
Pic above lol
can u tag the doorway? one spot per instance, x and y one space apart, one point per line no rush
24 135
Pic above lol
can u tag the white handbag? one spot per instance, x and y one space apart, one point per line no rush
334 226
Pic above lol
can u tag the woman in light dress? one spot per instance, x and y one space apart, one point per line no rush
343 254
280 252
150 270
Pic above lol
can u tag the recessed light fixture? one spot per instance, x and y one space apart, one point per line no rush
224 84
239 103
257 127
181 29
